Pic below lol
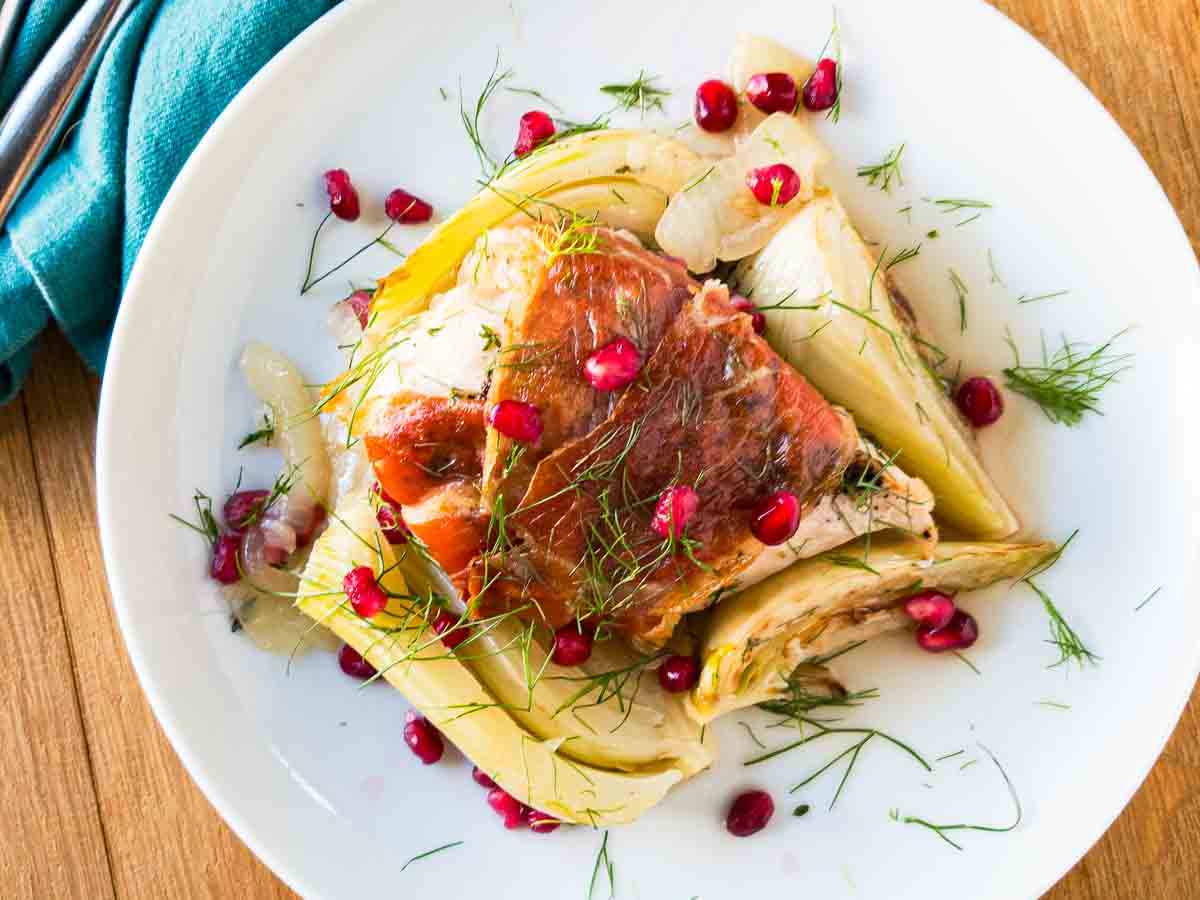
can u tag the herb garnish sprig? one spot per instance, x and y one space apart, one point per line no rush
886 171
1067 383
641 93
1070 646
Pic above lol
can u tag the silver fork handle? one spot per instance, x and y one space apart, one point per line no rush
37 115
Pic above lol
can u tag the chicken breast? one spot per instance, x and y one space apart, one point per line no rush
714 408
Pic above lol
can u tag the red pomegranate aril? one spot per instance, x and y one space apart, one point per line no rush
716 106
406 208
507 807
535 128
821 90
613 366
960 633
676 506
679 673
423 739
482 778
224 566
353 664
749 813
364 592
517 420
343 198
775 185
360 305
242 508
446 626
772 92
540 822
932 609
980 401
391 523
744 305
572 645
776 518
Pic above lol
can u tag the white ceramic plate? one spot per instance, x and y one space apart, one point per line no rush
311 771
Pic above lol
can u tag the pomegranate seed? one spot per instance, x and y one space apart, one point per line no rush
353 664
613 366
749 813
743 305
360 305
775 185
572 645
960 633
535 128
343 198
821 90
679 674
366 596
507 807
776 518
716 106
391 523
675 508
772 92
482 778
242 508
930 608
401 206
224 567
980 401
446 625
539 822
516 419
422 738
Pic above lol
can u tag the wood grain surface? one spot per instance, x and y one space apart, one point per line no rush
96 804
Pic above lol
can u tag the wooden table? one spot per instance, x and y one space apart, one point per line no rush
94 802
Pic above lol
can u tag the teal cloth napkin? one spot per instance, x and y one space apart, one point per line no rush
71 241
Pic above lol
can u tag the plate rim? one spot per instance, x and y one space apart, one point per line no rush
107 420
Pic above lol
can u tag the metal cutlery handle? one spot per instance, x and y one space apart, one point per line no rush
40 109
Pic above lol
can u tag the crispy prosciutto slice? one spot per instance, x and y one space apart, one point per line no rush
578 302
715 409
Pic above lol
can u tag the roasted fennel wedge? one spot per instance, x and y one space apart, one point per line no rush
841 323
455 695
610 711
755 640
624 176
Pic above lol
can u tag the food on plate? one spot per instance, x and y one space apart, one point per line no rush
837 315
756 640
642 434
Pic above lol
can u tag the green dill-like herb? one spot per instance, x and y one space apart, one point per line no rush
264 434
310 282
967 221
695 181
941 830
1068 383
470 120
1051 704
783 303
607 686
1024 298
577 238
753 736
206 523
903 256
442 91
801 810
960 291
950 756
958 204
906 211
491 340
996 279
1070 646
641 93
538 95
884 172
1153 594
602 858
931 234
849 562
970 665
430 853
